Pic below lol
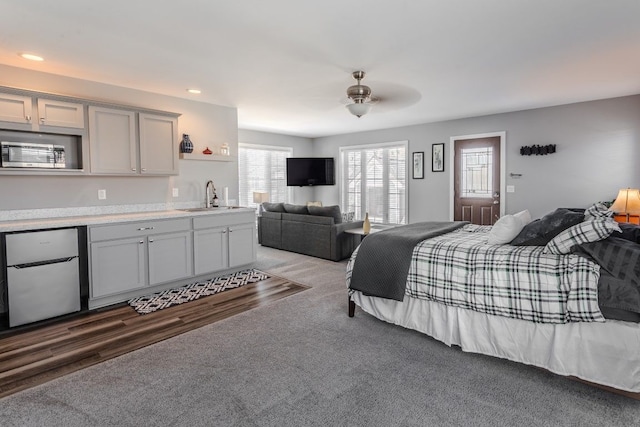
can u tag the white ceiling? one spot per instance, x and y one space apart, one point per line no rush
286 64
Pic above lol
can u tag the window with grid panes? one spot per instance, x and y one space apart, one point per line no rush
374 180
263 168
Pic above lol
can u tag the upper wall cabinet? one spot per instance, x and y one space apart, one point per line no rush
60 114
17 111
158 150
118 149
112 140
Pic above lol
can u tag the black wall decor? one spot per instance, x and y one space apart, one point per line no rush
538 150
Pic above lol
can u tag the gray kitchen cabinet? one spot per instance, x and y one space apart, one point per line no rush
52 113
223 241
118 266
242 246
112 141
16 109
210 250
170 257
158 144
130 257
118 149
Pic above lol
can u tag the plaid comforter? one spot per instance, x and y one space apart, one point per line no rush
460 269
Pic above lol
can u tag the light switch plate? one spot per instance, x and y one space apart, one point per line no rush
102 194
511 188
176 192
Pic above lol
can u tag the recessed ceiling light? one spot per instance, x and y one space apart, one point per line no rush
31 57
196 91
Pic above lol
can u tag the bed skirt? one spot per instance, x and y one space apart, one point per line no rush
603 353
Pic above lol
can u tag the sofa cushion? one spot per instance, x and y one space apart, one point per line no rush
311 219
272 215
273 207
331 211
296 209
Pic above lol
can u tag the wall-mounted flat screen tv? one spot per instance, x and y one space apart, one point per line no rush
303 171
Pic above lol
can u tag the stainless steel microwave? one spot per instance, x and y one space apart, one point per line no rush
31 155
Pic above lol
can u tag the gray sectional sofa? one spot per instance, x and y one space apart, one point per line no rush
316 231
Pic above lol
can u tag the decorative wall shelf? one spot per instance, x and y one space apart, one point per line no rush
209 157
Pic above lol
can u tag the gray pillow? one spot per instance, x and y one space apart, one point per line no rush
295 209
541 231
332 211
273 207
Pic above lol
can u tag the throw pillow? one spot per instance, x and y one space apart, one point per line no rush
273 207
597 210
585 232
628 231
332 211
296 209
504 230
541 231
348 216
524 217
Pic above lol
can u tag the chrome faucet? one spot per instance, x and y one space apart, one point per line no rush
210 201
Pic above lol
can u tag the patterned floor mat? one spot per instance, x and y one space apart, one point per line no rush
158 301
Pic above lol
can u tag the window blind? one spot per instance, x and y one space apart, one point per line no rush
263 168
374 180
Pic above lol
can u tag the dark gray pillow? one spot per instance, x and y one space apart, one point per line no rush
273 207
295 209
332 211
629 232
541 231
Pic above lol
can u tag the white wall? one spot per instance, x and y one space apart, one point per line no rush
598 149
207 124
302 147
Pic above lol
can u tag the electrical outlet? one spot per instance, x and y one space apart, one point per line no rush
511 188
176 192
102 194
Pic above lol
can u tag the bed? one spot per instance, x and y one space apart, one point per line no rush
570 303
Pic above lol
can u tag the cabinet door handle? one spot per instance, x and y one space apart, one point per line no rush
141 241
144 169
145 228
42 119
224 231
133 169
150 240
230 230
28 118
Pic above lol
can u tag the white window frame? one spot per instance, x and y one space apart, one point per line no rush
288 153
344 149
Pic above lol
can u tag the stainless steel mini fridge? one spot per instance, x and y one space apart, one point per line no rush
43 278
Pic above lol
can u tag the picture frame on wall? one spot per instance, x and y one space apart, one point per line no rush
418 165
437 157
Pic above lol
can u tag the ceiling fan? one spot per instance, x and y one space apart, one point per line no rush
360 95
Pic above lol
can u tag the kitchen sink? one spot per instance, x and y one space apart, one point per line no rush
212 209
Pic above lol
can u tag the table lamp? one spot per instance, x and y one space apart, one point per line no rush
627 203
260 198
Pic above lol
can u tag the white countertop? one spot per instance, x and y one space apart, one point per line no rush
46 218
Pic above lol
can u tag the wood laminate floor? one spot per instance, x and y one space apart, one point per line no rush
39 354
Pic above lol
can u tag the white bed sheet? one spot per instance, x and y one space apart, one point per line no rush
605 353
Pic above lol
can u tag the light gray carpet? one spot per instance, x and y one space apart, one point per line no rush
302 362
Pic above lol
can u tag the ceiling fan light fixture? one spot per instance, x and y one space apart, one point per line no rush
359 109
359 94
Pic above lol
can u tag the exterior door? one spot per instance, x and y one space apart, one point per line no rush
477 180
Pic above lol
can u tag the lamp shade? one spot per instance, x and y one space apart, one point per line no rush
627 202
359 109
260 197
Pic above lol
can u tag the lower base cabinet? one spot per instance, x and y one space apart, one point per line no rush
118 266
223 247
127 260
